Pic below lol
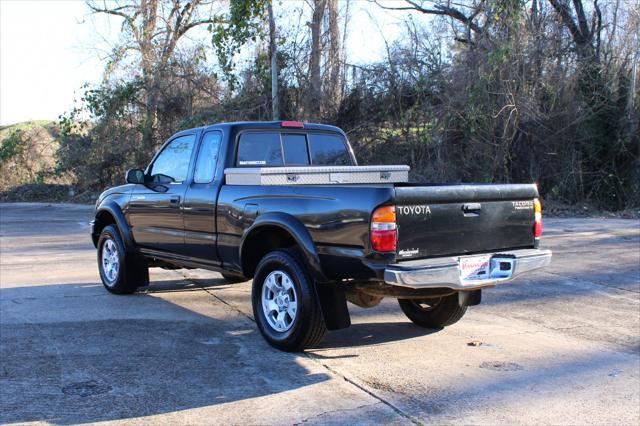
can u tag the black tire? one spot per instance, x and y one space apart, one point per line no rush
433 313
232 278
308 328
131 272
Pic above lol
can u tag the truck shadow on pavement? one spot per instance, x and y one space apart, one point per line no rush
188 284
376 333
73 353
361 334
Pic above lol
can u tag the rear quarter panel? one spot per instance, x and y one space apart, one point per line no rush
336 217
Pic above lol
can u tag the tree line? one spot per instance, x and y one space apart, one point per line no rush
485 91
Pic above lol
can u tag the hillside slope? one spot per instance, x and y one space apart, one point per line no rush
27 152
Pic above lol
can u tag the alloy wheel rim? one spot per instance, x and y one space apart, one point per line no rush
110 261
279 301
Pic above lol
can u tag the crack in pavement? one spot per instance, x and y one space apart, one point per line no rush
340 410
316 360
396 409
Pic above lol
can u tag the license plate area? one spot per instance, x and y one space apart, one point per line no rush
485 267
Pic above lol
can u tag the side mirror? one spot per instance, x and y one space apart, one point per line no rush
135 176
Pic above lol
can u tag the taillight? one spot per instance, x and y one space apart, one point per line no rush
383 229
537 222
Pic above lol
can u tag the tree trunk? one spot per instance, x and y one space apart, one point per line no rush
334 86
151 114
583 39
149 10
314 98
273 48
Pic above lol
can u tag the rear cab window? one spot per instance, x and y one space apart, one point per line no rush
328 150
295 149
260 149
273 149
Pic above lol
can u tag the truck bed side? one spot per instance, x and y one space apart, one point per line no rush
335 217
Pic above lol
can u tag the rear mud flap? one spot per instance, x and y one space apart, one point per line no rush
333 303
469 298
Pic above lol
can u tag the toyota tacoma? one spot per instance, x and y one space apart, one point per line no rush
286 205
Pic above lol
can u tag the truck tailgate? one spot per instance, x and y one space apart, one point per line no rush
439 220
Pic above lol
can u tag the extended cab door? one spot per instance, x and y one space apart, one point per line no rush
155 209
201 199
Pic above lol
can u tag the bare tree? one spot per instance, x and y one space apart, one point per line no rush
465 13
334 61
537 90
325 59
273 51
153 29
584 34
314 99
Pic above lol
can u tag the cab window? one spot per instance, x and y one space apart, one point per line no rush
174 159
260 149
292 149
328 150
295 149
207 158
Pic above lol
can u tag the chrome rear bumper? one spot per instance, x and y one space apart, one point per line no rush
445 272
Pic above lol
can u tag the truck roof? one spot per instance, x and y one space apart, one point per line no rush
236 126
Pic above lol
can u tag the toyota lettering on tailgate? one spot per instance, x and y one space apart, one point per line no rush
418 210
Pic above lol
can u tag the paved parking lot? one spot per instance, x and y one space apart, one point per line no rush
560 346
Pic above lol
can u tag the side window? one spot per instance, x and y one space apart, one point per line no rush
207 158
295 150
328 150
260 149
173 161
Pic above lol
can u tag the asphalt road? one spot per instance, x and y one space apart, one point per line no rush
559 346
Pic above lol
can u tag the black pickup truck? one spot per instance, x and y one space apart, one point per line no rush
285 204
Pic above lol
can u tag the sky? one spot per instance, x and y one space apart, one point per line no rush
44 58
50 48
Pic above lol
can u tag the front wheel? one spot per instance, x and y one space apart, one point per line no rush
434 313
285 304
118 272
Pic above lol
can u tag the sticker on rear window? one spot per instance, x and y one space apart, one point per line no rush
252 163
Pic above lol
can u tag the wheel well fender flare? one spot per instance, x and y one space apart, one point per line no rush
120 221
294 228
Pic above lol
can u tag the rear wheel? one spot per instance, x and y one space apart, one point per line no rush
119 272
285 304
434 313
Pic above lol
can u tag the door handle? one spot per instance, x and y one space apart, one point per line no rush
175 200
471 207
